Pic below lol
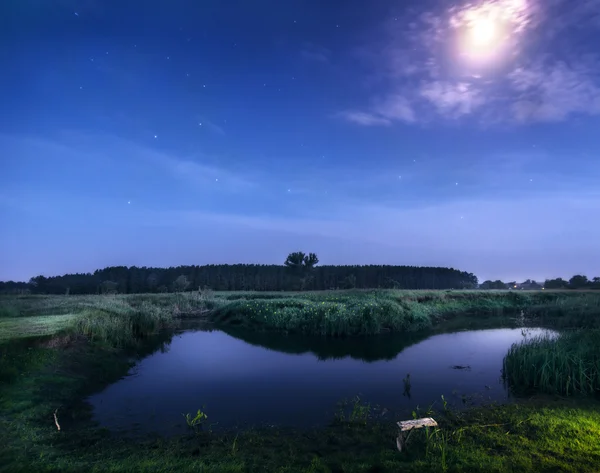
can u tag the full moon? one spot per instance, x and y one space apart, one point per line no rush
483 33
483 36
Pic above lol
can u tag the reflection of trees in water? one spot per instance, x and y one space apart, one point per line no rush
160 341
369 349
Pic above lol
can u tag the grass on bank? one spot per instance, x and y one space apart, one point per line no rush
340 313
566 365
117 320
329 313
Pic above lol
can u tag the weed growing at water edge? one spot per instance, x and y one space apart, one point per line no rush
195 423
407 385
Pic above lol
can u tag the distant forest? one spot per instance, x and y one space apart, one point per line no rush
244 277
576 282
299 272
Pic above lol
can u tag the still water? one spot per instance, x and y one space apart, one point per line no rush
249 379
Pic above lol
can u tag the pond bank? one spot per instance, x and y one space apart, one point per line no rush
54 373
543 434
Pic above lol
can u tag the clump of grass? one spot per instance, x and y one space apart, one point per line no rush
353 411
566 365
195 422
117 323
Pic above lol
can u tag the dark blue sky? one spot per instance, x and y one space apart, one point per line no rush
185 132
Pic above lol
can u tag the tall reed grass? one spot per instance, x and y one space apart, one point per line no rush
568 364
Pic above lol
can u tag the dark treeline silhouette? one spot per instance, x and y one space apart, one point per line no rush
245 277
576 282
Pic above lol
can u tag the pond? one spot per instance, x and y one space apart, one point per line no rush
256 379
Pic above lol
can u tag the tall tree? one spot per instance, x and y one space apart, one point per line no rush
558 283
181 283
578 282
301 266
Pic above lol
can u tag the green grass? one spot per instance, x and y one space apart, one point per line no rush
57 350
117 321
346 313
567 365
12 328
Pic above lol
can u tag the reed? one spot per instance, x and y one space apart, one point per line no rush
567 365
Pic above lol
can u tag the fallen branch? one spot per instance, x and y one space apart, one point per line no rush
56 420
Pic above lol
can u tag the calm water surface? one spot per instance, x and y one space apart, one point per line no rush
246 379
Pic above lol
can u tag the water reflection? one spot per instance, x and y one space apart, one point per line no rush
367 349
272 379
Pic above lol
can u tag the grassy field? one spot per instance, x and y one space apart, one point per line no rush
54 351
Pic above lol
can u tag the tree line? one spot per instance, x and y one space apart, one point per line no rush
299 272
576 282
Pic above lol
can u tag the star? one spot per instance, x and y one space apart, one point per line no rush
199 124
76 14
129 202
155 136
203 85
216 180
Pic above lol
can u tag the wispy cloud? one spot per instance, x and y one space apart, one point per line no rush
553 92
452 100
363 118
206 123
384 112
104 152
431 70
315 53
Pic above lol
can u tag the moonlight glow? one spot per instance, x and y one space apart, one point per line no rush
482 36
483 33
484 30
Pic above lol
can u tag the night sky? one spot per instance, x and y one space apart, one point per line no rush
161 133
